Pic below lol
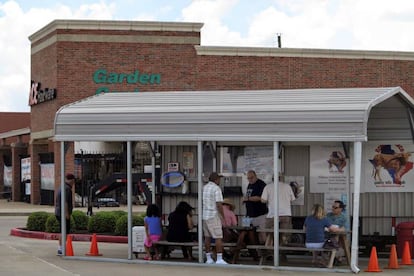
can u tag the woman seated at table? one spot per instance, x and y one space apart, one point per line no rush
230 219
180 223
315 226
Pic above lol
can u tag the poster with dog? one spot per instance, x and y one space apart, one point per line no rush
389 167
329 169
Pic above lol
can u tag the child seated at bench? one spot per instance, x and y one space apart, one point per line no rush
153 230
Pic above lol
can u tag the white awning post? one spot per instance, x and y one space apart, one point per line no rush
62 198
153 171
200 200
276 205
129 199
355 218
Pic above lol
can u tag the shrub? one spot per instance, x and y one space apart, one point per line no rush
102 222
121 228
119 213
53 226
80 220
37 221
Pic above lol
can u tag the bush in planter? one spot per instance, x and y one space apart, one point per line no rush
80 220
53 226
102 222
119 213
37 221
121 228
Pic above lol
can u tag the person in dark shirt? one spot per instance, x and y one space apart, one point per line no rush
69 183
180 223
255 208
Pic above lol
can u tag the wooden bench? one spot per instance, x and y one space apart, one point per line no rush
268 251
166 245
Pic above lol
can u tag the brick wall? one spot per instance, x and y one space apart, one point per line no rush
239 72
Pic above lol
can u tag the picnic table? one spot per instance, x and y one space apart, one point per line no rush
269 246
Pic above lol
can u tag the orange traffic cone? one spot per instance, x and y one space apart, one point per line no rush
69 248
373 261
406 256
94 251
393 260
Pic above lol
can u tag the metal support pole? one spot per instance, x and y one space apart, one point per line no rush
276 205
200 200
129 198
355 218
62 198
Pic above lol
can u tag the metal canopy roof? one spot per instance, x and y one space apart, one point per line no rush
246 115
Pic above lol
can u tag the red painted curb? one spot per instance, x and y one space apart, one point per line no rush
18 232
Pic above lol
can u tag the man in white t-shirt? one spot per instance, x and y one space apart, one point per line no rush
285 196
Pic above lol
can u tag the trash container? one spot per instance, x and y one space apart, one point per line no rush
138 236
405 232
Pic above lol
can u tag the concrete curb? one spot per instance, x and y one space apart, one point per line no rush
19 232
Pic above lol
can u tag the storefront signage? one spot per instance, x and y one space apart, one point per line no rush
25 169
38 95
102 76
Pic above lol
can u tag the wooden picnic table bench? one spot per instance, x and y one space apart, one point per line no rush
267 250
167 245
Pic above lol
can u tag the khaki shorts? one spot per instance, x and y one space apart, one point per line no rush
213 228
259 221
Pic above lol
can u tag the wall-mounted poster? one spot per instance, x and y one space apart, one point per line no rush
7 176
25 169
297 183
188 163
388 167
232 160
259 159
329 169
47 176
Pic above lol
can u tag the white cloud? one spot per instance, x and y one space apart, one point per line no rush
16 27
209 12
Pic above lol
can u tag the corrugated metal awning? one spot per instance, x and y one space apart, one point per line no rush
248 115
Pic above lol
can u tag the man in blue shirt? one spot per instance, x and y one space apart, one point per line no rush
338 218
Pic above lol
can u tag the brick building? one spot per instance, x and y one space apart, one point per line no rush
15 136
75 59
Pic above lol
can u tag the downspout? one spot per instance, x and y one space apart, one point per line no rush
355 218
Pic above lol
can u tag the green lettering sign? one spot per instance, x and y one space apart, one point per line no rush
99 76
102 76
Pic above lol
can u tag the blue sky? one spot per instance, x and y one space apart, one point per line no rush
323 24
